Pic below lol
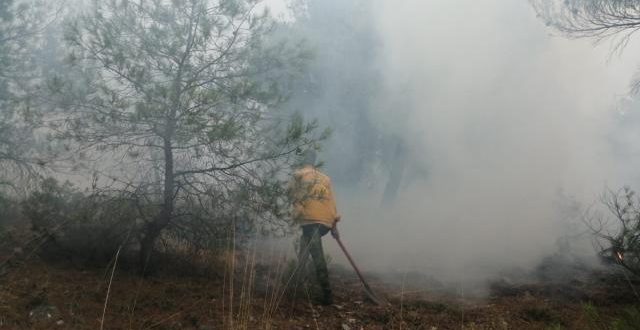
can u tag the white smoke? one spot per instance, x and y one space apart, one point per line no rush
505 115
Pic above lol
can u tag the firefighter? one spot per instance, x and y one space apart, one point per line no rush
314 209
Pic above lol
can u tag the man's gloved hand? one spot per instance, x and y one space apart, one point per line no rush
334 231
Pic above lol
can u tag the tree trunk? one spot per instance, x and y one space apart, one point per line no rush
153 230
395 176
146 248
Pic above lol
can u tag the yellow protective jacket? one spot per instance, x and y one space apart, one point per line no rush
313 199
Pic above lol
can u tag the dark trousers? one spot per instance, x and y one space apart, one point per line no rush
311 244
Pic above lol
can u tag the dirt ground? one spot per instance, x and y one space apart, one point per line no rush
37 295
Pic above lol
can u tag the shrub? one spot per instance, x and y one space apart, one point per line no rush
619 233
85 228
628 320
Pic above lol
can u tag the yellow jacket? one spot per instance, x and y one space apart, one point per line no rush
313 199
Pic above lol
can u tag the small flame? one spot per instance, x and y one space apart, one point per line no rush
620 256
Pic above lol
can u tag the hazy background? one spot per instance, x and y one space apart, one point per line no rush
500 124
462 130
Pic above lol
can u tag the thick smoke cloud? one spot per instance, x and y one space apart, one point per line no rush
504 116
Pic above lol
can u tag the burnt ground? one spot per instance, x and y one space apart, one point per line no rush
39 295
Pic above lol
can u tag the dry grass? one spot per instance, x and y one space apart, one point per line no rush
250 294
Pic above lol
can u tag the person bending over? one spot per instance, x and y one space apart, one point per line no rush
314 209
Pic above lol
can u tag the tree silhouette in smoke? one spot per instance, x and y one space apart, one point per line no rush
184 93
597 19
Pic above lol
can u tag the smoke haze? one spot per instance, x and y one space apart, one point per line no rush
503 117
497 118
